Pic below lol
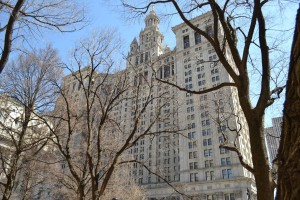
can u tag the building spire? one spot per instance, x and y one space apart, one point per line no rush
152 19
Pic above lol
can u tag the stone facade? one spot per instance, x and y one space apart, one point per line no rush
272 135
182 146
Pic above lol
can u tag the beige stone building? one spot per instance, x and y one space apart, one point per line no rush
178 135
197 166
272 135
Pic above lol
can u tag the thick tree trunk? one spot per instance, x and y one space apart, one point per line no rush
11 177
262 173
289 150
80 192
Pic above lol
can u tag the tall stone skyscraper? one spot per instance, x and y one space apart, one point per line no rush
179 135
192 161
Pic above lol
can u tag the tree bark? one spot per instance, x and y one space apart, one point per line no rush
264 182
8 34
289 149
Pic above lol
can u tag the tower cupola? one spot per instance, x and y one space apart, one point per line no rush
152 19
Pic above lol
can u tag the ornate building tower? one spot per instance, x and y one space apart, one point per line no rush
150 41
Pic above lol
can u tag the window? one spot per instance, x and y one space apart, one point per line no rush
205 122
142 157
166 71
200 83
209 31
228 161
191 135
210 197
197 38
200 61
195 165
210 175
195 154
206 132
194 144
204 114
227 173
140 180
224 151
214 71
201 76
207 142
141 58
221 139
229 196
208 152
186 42
194 177
223 161
215 78
221 128
191 126
203 98
209 163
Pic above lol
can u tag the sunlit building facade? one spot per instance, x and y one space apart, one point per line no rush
272 135
181 150
197 166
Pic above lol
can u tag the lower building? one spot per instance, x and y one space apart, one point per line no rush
272 135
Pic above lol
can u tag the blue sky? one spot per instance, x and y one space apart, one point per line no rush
102 15
105 16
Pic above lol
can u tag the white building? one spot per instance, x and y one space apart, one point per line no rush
183 144
272 135
205 170
13 138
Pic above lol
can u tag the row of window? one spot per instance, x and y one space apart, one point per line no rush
210 163
201 68
206 152
206 141
200 83
210 175
197 37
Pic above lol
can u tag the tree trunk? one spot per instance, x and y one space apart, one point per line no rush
289 150
80 192
11 177
262 173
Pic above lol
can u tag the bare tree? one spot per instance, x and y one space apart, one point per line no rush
26 90
245 21
94 137
19 17
122 185
288 153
